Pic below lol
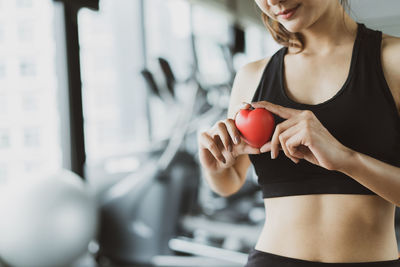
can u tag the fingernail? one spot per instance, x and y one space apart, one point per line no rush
272 155
237 139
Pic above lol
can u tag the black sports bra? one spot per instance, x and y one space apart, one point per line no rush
362 116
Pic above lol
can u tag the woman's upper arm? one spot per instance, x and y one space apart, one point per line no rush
390 65
243 89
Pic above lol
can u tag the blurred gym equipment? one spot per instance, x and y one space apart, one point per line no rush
164 214
46 221
139 214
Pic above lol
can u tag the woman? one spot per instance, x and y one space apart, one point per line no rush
331 181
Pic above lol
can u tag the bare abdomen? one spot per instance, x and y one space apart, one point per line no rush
330 228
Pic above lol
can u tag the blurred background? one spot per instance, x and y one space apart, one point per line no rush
116 92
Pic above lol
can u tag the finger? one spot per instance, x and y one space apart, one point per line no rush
298 143
243 105
283 137
280 128
248 149
294 144
283 125
281 111
233 131
267 147
224 135
308 155
228 156
207 142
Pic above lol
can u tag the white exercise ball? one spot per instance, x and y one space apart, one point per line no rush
47 220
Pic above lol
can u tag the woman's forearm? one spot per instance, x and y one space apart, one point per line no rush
376 175
223 183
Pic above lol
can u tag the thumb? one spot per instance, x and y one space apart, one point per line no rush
243 105
266 147
248 149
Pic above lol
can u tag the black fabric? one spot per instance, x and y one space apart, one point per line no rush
258 258
362 116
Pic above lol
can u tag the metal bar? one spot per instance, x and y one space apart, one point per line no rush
186 261
78 154
144 53
208 251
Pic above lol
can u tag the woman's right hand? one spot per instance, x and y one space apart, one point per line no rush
220 145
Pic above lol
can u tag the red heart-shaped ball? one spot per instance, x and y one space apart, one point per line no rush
256 126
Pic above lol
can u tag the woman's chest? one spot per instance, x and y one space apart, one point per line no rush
315 80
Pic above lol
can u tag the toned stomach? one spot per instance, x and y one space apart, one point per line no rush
330 228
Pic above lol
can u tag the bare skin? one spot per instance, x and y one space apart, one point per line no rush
331 228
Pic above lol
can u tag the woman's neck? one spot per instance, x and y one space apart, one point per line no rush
333 29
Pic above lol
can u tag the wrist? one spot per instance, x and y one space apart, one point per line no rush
348 162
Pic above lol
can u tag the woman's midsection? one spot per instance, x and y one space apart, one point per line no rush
330 228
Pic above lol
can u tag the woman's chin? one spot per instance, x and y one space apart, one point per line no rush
292 26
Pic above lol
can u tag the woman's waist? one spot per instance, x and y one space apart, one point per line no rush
329 246
329 228
334 234
335 212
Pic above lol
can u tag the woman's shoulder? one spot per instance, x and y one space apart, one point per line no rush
252 71
254 67
246 81
391 43
391 52
390 64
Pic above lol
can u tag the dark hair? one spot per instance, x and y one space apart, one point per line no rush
282 36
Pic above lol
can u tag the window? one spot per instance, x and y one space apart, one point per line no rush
29 102
27 67
24 3
32 137
211 30
112 58
2 70
3 172
32 166
3 105
4 138
112 88
168 31
27 139
259 44
25 31
1 31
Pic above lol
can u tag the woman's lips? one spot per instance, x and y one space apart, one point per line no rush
288 13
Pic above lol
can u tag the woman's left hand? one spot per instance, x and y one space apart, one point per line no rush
302 136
